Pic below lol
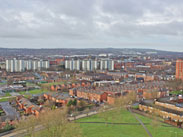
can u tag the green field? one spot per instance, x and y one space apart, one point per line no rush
6 99
35 91
177 92
7 94
30 84
53 83
157 129
1 84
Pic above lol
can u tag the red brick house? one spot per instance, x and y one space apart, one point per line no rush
27 106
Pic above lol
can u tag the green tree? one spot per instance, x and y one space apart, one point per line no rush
74 103
69 103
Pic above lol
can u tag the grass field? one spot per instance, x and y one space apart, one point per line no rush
6 99
30 84
36 91
53 83
7 94
157 129
1 84
58 83
177 92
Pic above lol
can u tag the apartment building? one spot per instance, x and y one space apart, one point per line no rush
107 64
89 64
72 64
14 65
179 69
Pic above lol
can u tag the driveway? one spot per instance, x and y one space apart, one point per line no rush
9 110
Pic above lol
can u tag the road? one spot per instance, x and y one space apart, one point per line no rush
9 110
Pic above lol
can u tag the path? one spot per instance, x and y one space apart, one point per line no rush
140 121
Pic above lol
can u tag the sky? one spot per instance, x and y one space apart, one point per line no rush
155 24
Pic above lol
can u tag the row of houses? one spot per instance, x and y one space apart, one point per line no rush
18 76
145 77
93 76
152 93
109 93
170 113
59 98
27 106
167 105
68 86
95 95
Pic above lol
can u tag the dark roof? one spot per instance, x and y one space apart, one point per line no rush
162 108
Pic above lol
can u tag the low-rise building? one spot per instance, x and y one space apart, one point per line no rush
27 106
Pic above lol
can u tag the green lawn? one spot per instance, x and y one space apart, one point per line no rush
7 94
110 130
53 83
30 84
176 92
2 84
6 99
35 91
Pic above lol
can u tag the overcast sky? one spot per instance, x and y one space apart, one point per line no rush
156 24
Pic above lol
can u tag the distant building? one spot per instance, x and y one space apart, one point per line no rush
89 65
72 64
107 64
8 65
28 64
15 65
34 65
84 65
179 69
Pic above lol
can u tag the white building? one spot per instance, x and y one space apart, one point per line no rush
46 64
15 65
89 65
107 64
8 65
35 65
72 65
84 65
20 66
76 65
28 64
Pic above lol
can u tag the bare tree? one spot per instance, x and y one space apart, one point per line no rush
126 100
55 124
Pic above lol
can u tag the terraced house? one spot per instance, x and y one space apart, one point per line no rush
170 111
27 106
95 94
59 98
69 86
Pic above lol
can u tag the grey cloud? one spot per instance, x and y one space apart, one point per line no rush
88 22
